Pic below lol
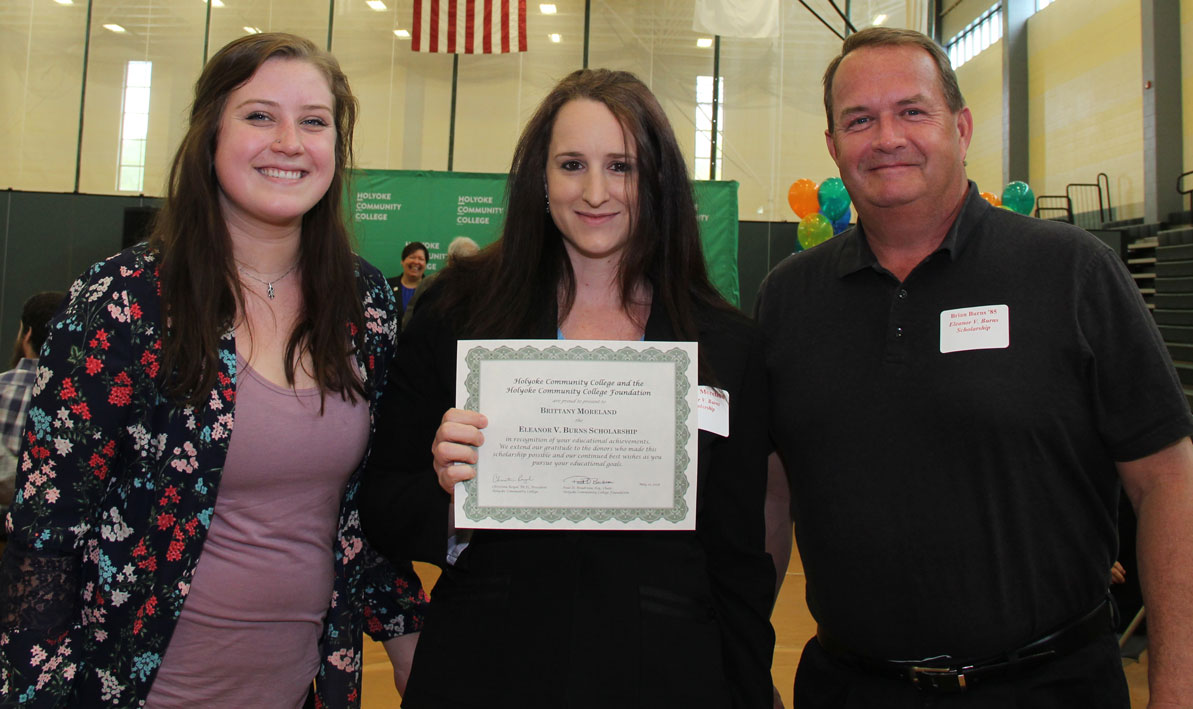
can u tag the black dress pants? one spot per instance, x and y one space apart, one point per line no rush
1089 678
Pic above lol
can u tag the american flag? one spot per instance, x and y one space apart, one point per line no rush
469 26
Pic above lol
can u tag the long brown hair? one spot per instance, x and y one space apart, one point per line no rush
528 266
199 286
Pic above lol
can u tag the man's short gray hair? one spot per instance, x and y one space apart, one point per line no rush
461 246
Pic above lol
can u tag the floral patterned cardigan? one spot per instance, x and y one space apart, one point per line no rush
115 491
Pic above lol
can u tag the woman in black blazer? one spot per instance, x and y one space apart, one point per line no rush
600 242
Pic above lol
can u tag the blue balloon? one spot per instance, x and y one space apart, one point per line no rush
843 222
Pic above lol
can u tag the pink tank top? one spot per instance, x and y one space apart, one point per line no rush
249 631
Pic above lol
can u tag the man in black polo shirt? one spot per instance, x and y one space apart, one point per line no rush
957 392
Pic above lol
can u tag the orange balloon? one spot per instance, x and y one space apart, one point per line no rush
803 198
992 198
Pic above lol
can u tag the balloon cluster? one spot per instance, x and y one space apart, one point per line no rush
1016 196
823 210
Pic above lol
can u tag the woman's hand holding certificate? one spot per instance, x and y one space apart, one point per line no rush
454 448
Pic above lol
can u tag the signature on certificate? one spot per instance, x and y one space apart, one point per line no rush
585 480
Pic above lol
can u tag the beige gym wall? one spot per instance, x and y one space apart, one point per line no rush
1085 107
1187 83
980 79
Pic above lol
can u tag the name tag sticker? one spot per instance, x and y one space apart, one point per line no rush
713 406
983 327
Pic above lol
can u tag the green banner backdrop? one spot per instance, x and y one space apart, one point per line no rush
390 208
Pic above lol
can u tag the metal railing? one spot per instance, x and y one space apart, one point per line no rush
1084 196
1057 207
1187 190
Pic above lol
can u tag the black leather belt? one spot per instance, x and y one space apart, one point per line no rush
949 674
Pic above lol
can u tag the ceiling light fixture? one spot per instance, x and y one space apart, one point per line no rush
114 28
555 37
704 42
878 19
548 8
376 5
402 34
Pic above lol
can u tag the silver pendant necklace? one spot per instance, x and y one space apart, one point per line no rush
268 284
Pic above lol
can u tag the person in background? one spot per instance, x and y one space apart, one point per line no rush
185 531
414 265
600 242
460 247
959 393
16 385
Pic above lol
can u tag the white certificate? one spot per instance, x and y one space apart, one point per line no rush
582 434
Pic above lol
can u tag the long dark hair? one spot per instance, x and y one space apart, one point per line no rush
200 289
528 265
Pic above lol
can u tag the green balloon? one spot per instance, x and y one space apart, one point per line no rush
814 229
834 198
1019 197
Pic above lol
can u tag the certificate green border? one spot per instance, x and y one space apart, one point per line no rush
678 509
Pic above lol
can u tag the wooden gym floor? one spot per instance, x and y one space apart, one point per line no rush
793 626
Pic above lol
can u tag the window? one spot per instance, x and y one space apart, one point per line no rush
134 127
977 35
1041 4
704 128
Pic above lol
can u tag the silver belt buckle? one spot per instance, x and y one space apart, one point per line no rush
940 679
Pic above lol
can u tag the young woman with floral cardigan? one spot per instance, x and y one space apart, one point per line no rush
185 530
